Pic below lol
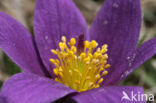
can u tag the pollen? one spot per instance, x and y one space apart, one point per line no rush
80 71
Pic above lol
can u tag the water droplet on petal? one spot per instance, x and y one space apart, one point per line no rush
115 5
101 90
130 64
128 58
105 22
126 73
46 37
134 55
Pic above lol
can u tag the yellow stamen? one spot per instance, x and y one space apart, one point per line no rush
94 44
104 73
55 72
80 71
86 44
63 38
54 52
72 42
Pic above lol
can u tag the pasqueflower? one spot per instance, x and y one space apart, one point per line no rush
64 58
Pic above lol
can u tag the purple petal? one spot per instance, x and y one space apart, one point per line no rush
53 19
143 53
118 25
112 94
2 99
17 43
30 88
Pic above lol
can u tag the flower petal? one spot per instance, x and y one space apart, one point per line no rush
112 94
30 88
143 53
2 100
17 43
53 19
118 25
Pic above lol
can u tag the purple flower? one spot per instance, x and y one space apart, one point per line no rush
117 24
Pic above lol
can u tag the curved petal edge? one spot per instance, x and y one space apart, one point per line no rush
30 88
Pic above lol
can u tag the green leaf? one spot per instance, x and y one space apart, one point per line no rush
149 74
1 84
11 68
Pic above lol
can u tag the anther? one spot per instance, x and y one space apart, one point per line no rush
82 55
54 52
107 65
97 76
61 74
77 82
105 56
97 86
94 44
87 44
100 81
63 38
55 71
72 41
52 61
104 73
56 79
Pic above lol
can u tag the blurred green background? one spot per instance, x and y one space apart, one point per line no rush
144 76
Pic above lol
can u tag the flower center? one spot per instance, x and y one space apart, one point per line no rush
80 71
